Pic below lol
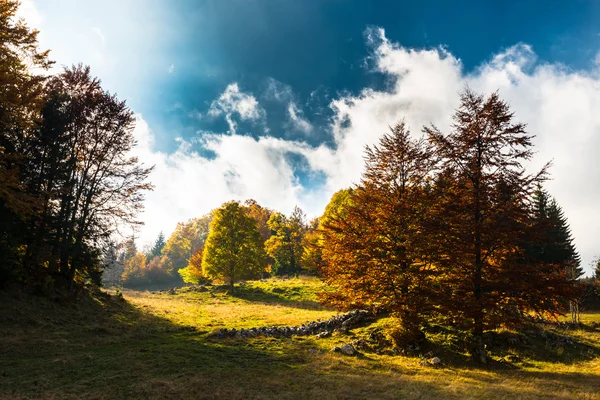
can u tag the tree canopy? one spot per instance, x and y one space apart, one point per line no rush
286 245
233 249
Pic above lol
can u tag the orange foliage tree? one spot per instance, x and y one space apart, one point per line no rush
483 213
374 247
193 272
441 228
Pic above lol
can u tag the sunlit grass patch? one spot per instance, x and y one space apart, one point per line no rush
256 303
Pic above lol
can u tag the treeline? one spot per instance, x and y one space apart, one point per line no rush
67 178
265 242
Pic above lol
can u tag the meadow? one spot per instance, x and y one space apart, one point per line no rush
160 345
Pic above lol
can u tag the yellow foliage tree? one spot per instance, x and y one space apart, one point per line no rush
233 249
193 272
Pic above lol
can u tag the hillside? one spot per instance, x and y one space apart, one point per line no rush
159 345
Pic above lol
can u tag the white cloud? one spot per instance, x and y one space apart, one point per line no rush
189 185
296 119
234 102
560 107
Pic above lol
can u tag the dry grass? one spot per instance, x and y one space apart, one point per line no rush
155 345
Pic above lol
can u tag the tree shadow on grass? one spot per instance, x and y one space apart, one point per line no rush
517 349
103 347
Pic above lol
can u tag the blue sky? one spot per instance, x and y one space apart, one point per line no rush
276 99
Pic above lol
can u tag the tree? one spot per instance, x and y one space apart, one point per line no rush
483 214
113 268
85 175
187 238
193 272
134 270
261 215
285 245
554 243
376 251
159 244
233 248
21 98
312 257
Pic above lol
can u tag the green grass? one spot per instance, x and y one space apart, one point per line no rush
157 345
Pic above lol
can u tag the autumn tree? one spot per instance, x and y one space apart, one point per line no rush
21 98
483 211
134 271
312 257
261 215
187 238
193 272
375 249
233 249
286 245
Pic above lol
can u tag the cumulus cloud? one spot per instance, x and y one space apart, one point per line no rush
559 105
234 102
189 185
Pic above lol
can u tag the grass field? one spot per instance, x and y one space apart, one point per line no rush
158 346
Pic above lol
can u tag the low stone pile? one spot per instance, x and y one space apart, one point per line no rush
341 322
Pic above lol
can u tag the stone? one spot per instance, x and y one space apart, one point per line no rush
347 349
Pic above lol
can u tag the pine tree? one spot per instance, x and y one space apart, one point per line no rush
554 243
159 244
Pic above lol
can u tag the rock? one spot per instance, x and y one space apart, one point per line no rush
321 329
347 349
